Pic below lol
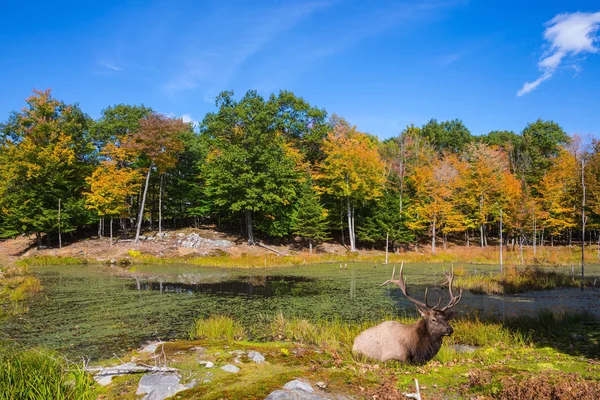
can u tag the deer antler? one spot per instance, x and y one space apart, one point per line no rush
401 282
454 300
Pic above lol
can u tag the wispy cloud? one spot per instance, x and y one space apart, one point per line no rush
567 35
110 66
214 69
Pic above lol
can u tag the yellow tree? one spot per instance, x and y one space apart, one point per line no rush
110 187
438 188
490 186
352 169
558 192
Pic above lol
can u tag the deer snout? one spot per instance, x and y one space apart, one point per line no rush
449 331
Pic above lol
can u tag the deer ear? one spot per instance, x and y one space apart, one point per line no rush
421 311
450 315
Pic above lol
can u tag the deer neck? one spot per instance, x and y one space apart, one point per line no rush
428 345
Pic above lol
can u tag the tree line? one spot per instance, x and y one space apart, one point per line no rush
280 168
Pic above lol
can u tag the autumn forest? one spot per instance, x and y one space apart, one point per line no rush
279 168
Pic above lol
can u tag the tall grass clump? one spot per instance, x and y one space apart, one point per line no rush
217 327
475 332
35 374
17 284
514 280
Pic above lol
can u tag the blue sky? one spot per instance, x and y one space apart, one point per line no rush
380 64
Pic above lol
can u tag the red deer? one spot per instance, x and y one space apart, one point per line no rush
416 343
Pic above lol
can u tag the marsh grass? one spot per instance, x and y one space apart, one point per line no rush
17 284
35 374
51 260
515 280
217 327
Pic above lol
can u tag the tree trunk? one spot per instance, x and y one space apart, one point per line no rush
38 236
481 234
534 233
467 237
351 224
310 245
445 239
501 244
249 227
141 214
59 233
583 221
111 231
433 237
160 189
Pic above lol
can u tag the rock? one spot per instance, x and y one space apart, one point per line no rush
150 348
150 382
237 360
209 364
103 380
206 381
293 395
159 386
256 357
321 385
299 390
464 348
237 352
230 368
298 385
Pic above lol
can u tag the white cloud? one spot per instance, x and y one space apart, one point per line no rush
567 35
187 118
111 66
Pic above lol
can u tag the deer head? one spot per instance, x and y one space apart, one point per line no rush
436 319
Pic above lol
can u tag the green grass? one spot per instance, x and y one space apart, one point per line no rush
36 374
217 327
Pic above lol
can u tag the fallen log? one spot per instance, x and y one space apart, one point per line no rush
270 248
128 370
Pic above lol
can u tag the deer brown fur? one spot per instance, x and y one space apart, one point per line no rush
415 343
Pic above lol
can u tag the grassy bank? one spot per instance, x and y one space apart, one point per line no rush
17 284
506 359
517 280
547 256
36 374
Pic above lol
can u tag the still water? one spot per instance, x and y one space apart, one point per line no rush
96 311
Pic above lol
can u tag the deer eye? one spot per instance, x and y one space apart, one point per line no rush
434 320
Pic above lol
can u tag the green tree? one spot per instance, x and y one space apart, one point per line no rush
251 168
45 156
448 136
310 220
541 142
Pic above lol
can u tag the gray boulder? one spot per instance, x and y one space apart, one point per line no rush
256 357
230 368
159 386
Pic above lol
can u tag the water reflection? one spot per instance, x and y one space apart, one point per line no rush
259 285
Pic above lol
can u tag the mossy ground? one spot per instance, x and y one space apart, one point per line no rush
506 362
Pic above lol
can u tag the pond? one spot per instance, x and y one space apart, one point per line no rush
97 311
